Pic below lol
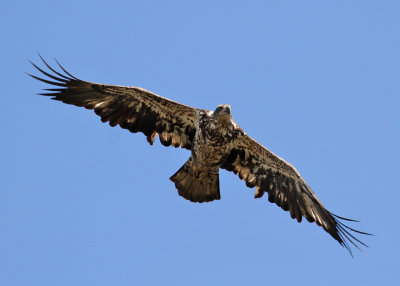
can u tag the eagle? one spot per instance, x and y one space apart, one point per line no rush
215 141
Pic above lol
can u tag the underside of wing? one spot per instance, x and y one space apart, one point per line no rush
132 108
260 168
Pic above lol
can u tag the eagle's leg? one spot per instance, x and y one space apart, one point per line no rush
197 185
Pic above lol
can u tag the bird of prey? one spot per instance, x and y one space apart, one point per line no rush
214 139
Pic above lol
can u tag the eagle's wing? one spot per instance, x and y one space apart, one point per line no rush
133 108
261 168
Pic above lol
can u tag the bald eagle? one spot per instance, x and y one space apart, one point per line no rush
215 140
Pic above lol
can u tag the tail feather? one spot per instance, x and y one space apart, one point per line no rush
197 186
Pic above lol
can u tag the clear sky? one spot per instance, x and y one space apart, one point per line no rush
317 82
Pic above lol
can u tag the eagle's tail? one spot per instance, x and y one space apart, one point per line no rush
197 186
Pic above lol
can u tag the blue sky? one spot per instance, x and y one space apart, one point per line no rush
317 82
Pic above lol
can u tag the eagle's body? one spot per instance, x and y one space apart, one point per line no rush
216 132
215 140
211 146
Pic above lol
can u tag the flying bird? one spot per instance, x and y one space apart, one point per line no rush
214 139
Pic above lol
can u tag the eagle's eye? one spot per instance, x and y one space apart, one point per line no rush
219 108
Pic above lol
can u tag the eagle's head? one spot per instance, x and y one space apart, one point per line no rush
223 111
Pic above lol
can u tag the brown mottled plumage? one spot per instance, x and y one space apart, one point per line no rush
215 141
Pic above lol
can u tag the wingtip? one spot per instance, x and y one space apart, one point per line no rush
346 238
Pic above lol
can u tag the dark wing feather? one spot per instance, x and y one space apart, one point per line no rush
260 168
133 108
